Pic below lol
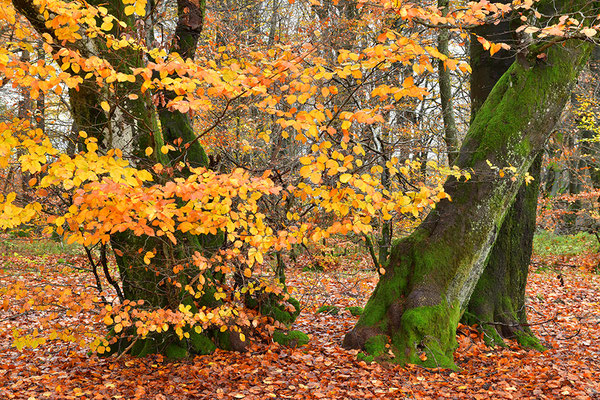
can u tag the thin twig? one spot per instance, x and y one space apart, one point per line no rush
128 348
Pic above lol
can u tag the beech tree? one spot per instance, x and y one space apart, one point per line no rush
433 272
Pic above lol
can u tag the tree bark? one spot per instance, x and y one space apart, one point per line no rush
497 304
432 273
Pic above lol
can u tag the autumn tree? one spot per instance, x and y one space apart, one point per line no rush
432 273
117 121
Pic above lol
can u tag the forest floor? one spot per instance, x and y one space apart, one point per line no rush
563 304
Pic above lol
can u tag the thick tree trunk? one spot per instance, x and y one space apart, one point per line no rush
432 273
497 304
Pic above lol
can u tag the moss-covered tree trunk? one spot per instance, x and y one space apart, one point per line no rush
432 273
497 304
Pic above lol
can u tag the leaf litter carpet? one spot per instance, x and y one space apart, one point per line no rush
563 307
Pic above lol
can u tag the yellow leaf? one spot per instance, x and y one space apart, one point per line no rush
305 171
149 151
105 106
315 177
344 178
148 256
106 25
291 99
164 149
494 48
242 337
92 147
229 75
306 160
484 43
140 8
589 32
247 272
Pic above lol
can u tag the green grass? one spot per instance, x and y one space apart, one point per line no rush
548 244
37 247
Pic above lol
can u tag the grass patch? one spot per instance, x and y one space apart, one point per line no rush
37 247
549 244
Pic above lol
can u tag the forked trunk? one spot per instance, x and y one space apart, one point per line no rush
432 273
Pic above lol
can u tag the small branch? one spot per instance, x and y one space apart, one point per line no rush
517 324
539 264
573 335
13 317
369 244
109 278
128 348
95 272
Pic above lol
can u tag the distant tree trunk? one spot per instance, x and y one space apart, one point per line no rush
445 84
418 302
40 106
497 304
